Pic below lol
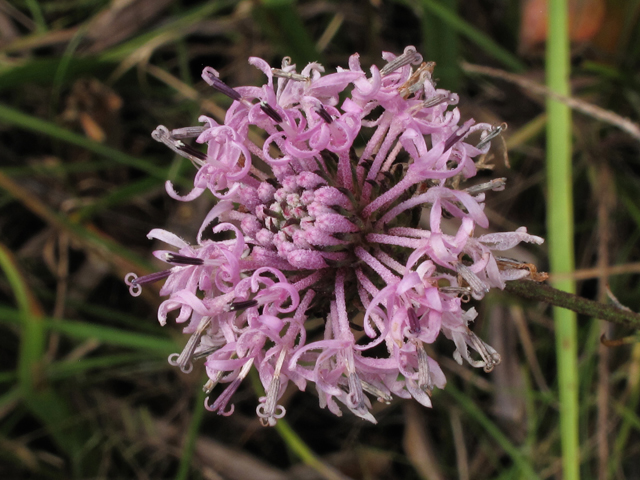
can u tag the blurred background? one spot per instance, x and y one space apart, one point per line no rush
85 388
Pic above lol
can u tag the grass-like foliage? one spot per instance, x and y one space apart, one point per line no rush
85 387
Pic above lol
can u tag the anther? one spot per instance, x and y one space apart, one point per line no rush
289 75
424 376
239 306
205 353
268 410
210 76
458 134
323 114
410 56
188 132
211 383
183 360
182 259
478 287
435 100
161 134
456 290
380 395
271 112
134 282
414 321
496 185
417 79
493 133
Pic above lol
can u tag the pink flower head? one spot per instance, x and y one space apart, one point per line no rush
331 230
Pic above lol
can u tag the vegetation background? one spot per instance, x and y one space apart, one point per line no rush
85 388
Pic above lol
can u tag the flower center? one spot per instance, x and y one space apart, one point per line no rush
308 212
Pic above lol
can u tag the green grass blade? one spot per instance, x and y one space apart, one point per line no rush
108 335
479 416
119 196
192 436
72 368
93 240
41 400
32 335
281 22
441 46
16 118
36 13
465 29
560 231
39 70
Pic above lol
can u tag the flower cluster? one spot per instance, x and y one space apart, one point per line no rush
321 271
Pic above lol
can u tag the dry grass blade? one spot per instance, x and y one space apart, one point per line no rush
462 457
47 39
576 104
606 203
36 206
121 20
588 273
517 314
417 444
210 454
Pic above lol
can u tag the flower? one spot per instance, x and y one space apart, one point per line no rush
319 228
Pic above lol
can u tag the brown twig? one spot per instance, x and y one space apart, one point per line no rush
576 104
545 293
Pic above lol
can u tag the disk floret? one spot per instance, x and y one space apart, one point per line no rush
319 226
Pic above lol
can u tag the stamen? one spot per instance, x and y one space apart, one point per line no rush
355 396
210 76
410 56
271 112
183 360
239 306
380 395
424 376
417 79
496 185
493 133
182 259
268 410
414 322
189 151
450 98
435 100
221 402
456 290
478 287
458 134
134 282
322 113
289 75
205 353
161 134
211 383
188 132
489 355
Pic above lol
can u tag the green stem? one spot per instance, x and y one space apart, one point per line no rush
560 230
191 437
558 298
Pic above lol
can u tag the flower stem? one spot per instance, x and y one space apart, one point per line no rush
560 228
558 298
